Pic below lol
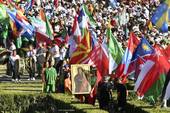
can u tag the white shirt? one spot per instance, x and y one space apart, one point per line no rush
14 58
12 47
32 54
62 53
55 51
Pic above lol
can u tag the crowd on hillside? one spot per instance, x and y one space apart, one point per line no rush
51 62
124 16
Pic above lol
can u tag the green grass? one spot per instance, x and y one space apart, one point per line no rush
134 105
35 88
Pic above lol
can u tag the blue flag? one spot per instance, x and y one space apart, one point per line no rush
22 28
143 49
15 23
161 16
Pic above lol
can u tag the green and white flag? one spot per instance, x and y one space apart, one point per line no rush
115 51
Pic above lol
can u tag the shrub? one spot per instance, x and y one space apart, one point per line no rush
42 103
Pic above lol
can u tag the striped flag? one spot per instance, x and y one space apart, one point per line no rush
122 69
82 50
49 30
151 71
76 30
115 51
20 26
88 16
76 36
16 25
39 24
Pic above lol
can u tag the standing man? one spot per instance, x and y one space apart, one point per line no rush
121 95
55 51
104 93
41 53
14 62
11 48
31 54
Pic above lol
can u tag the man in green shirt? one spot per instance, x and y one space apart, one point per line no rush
50 77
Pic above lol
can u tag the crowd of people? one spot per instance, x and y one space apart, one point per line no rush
51 62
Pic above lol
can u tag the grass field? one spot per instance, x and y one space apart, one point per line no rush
35 87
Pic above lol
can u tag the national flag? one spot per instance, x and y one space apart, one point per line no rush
89 16
151 71
42 37
156 89
29 4
20 16
16 0
146 68
16 25
143 49
94 39
59 40
115 51
20 28
122 69
161 17
29 30
73 46
56 3
76 36
76 32
49 30
153 93
98 58
39 24
82 50
83 22
85 19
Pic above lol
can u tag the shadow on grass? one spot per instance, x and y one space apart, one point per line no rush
50 105
133 109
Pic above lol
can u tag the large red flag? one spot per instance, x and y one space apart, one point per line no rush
98 57
160 65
